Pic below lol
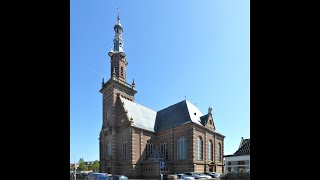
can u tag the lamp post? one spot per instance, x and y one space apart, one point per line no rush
74 161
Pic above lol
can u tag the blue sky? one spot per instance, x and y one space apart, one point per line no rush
175 48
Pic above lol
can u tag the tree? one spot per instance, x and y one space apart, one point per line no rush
94 166
82 165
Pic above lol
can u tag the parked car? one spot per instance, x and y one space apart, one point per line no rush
214 175
184 177
118 177
202 175
84 175
98 176
195 175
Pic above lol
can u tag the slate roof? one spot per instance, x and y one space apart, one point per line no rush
243 141
173 116
244 148
176 115
142 117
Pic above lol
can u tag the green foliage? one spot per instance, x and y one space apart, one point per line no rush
95 166
82 165
237 176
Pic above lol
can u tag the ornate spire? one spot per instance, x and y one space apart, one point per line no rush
117 40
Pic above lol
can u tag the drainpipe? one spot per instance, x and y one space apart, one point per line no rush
173 143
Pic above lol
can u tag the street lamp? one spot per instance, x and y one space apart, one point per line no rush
74 161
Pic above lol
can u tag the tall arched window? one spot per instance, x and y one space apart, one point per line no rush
109 148
149 149
106 148
199 148
125 150
210 150
116 70
219 152
164 149
182 148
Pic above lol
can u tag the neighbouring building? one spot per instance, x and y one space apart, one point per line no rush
72 166
240 160
87 163
134 139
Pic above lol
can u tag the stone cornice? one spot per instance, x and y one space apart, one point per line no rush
119 83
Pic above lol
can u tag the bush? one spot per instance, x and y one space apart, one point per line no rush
237 176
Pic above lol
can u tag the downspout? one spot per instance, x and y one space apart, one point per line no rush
214 154
173 142
131 144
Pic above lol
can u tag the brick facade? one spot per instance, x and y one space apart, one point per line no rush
135 165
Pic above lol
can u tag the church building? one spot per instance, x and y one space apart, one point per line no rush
134 140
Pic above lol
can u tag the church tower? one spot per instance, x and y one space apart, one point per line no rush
114 87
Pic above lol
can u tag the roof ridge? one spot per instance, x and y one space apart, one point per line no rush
172 105
137 104
189 110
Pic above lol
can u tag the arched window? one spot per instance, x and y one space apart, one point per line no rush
109 148
199 148
125 150
210 150
116 69
219 152
164 149
182 148
149 149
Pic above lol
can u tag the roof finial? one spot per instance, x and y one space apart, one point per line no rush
133 84
185 97
209 110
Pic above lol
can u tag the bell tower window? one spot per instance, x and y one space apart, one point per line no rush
116 68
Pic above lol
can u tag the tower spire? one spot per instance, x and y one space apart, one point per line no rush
118 56
117 40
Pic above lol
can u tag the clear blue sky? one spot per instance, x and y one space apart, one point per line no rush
175 48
